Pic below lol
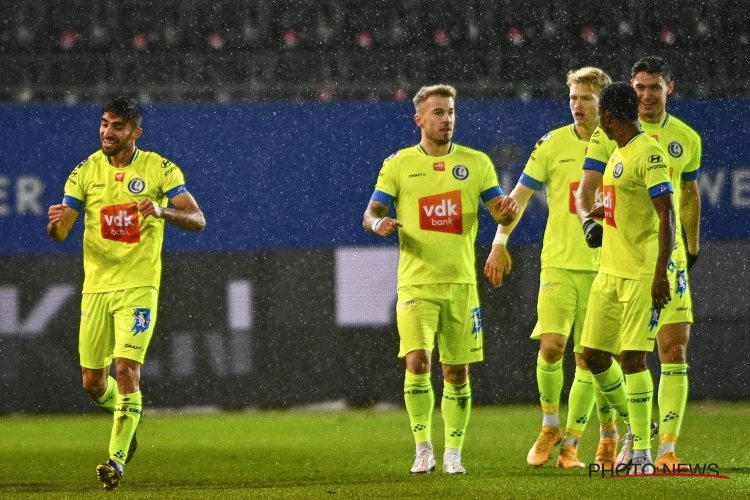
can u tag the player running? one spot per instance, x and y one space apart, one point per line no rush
123 193
632 286
436 187
569 267
652 79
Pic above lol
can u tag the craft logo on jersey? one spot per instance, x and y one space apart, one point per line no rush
618 170
476 318
460 172
675 149
442 212
136 185
609 205
120 223
119 177
142 320
439 166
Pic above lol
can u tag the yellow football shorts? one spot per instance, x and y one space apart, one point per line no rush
561 303
449 311
116 324
619 316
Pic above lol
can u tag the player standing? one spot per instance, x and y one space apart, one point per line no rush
652 79
632 286
436 187
123 193
569 267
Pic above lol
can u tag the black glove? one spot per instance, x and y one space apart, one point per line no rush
593 232
691 259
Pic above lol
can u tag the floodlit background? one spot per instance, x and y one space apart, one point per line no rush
280 114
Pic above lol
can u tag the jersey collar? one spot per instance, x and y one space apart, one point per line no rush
421 149
132 160
636 136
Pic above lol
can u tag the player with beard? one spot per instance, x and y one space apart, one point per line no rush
123 193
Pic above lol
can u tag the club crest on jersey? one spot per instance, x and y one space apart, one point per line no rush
675 149
618 170
438 166
460 172
655 314
682 282
119 177
442 212
136 185
476 318
142 320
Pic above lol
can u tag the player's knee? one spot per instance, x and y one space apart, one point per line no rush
673 353
456 376
93 386
552 353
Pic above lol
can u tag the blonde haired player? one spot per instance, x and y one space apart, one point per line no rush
569 267
436 187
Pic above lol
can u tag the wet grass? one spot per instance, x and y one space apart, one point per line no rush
344 454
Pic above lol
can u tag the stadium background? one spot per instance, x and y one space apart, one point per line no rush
280 128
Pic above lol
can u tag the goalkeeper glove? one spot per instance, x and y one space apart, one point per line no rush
593 232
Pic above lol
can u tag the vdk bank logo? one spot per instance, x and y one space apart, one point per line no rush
120 223
442 212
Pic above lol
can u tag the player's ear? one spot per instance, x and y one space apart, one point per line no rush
670 87
137 133
418 120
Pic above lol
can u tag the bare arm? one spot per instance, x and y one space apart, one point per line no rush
690 215
186 215
499 261
61 220
503 209
376 212
586 193
660 290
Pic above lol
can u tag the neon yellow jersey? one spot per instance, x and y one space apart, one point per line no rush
684 150
556 161
633 176
437 201
121 249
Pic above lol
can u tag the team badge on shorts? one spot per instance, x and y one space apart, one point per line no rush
476 317
655 314
136 185
142 320
682 282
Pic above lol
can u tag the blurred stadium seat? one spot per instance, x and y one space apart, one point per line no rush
270 48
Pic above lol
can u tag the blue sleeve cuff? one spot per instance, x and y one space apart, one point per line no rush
490 193
382 197
691 176
73 203
530 182
595 165
182 188
664 187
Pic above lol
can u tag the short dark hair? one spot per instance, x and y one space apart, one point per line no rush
620 99
125 107
652 65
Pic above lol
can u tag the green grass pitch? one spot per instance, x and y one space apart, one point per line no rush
345 454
